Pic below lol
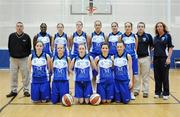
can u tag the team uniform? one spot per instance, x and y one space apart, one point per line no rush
130 48
60 84
113 39
83 77
105 80
61 40
121 78
78 39
46 41
40 86
96 41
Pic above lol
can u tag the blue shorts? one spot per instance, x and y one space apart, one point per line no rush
83 89
59 88
135 65
40 91
106 90
122 91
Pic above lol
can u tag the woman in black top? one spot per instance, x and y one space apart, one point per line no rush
162 58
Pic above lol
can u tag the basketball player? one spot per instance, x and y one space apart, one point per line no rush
45 38
60 84
105 80
113 38
77 38
131 44
39 66
123 74
82 65
61 38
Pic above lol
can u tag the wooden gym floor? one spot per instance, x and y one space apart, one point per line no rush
21 106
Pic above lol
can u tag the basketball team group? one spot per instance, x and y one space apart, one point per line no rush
104 68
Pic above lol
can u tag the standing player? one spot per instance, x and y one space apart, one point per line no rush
61 38
97 38
39 66
45 38
113 38
145 43
105 80
60 84
82 65
123 74
131 44
77 38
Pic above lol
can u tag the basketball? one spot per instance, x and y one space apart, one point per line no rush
67 100
95 99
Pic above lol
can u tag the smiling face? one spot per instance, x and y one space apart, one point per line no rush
104 49
60 27
128 27
160 28
141 27
82 50
43 28
60 49
120 47
39 47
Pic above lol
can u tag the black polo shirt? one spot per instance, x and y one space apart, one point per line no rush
161 44
144 42
19 45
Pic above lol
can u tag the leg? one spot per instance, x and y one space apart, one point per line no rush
110 92
55 98
35 92
117 92
45 92
64 88
79 92
14 68
101 92
25 73
145 75
87 91
137 83
125 92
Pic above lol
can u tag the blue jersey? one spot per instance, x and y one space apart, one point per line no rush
113 39
78 39
60 68
46 42
97 40
39 69
130 43
121 67
82 69
105 69
60 40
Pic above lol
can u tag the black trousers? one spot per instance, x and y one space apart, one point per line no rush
161 76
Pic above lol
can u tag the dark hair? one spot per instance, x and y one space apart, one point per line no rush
129 23
141 23
60 24
114 23
97 21
164 27
36 44
121 42
43 24
105 43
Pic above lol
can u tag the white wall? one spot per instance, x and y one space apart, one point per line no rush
33 12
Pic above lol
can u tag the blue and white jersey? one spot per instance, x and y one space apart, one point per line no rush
82 69
39 69
121 67
61 40
113 39
105 72
78 39
46 42
60 68
96 41
130 43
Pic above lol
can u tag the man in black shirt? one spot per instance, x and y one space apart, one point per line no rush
145 43
19 45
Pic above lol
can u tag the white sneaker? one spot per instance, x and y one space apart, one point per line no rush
132 96
165 97
156 96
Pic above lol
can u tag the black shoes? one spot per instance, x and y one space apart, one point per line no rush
11 94
145 95
26 94
136 93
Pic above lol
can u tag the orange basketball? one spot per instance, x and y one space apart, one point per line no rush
95 99
67 100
